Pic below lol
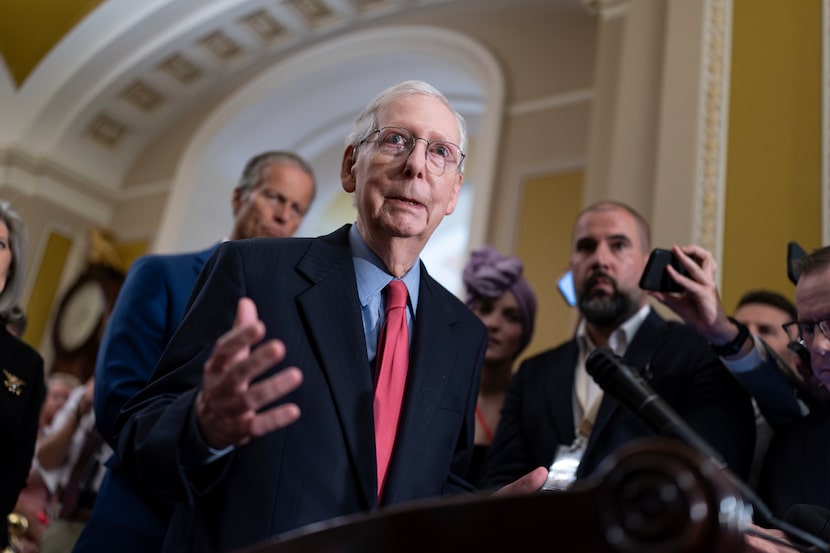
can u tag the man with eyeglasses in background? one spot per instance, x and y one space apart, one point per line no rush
797 464
273 194
220 426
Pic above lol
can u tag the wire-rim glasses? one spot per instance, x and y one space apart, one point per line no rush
397 142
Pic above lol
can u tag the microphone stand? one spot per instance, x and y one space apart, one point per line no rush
608 370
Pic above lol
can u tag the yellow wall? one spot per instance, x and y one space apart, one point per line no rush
774 148
29 29
46 287
47 279
549 207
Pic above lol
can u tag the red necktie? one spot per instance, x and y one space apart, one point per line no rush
393 361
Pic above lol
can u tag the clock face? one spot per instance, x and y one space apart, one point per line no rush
82 313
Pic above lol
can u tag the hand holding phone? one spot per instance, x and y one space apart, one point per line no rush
655 277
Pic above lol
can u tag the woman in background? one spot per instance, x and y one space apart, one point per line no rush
506 304
21 375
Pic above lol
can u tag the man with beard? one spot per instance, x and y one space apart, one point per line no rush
556 415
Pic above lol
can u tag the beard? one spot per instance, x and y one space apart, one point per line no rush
606 311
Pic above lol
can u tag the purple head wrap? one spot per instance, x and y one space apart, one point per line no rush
489 274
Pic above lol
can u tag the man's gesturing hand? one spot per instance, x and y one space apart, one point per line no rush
227 406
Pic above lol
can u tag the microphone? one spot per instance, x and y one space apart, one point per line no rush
625 384
629 388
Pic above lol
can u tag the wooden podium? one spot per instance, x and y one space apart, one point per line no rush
656 495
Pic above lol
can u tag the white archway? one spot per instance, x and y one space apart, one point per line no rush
307 104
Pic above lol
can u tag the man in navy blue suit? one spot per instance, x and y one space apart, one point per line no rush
274 193
220 426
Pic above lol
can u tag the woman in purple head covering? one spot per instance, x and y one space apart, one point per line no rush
504 301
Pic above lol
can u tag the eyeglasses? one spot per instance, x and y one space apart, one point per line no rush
803 331
397 142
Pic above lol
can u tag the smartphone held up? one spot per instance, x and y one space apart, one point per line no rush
656 278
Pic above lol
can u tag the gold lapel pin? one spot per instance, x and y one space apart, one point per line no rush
12 383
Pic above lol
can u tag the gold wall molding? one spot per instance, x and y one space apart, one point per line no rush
825 123
710 187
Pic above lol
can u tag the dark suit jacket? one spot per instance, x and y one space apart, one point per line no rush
797 464
18 419
146 314
322 466
774 390
538 412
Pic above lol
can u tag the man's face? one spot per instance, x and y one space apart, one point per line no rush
275 206
765 322
812 301
56 396
607 261
398 197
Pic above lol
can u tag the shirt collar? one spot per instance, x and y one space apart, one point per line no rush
371 273
622 336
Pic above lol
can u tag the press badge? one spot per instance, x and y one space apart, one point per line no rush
562 471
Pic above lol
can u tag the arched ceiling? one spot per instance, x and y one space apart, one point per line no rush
88 85
20 47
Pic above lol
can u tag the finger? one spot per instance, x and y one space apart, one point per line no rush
228 392
234 345
683 280
695 257
274 419
529 483
262 358
273 388
246 312
247 329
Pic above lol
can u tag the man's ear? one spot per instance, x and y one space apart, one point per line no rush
456 191
347 169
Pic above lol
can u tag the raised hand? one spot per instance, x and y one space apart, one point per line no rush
228 405
700 304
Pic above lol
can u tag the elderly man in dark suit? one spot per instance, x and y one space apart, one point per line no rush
274 192
220 425
555 412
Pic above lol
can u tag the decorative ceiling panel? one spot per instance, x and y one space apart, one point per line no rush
180 68
314 13
142 96
221 46
264 26
106 130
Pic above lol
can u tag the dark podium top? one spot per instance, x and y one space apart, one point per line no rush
656 495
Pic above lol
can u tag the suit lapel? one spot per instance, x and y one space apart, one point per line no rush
200 259
335 328
559 384
638 355
432 356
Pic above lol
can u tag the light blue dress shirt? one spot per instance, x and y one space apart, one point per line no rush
372 277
